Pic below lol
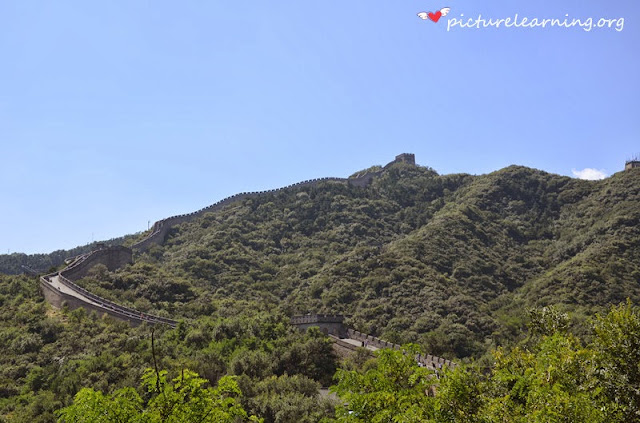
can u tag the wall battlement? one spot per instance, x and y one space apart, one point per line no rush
159 230
429 361
333 325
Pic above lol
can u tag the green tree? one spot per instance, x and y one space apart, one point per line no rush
183 400
395 390
554 382
459 395
617 346
284 399
547 321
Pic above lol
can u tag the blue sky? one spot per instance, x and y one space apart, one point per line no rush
113 114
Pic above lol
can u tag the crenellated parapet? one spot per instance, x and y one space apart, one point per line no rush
159 230
317 318
427 360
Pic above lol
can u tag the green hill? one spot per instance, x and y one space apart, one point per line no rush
447 261
450 262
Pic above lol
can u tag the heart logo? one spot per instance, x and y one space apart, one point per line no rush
434 16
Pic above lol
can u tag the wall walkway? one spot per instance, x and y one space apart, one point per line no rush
351 339
59 289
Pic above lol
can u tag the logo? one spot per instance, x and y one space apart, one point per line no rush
435 17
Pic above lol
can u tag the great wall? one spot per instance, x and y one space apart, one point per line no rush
60 290
350 340
159 230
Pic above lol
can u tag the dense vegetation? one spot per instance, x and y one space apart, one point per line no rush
448 262
48 356
551 377
182 400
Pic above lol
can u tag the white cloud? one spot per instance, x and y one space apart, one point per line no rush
589 174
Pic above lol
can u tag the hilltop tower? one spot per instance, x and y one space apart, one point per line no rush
631 164
408 158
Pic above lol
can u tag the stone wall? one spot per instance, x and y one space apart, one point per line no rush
328 324
632 164
159 230
427 360
116 257
113 258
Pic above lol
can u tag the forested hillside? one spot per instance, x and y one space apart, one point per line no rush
448 262
48 355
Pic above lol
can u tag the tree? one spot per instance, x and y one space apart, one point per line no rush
284 399
553 382
617 346
184 400
459 395
395 390
547 321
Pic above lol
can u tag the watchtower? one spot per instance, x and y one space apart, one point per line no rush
328 324
631 164
408 158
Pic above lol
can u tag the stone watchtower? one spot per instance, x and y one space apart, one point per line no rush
632 164
406 158
328 324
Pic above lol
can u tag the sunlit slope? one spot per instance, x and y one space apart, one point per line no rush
446 260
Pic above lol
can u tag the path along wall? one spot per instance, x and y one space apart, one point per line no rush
427 360
113 258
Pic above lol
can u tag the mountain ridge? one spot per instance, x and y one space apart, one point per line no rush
442 260
467 243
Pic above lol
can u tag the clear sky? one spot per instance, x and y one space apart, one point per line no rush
116 113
